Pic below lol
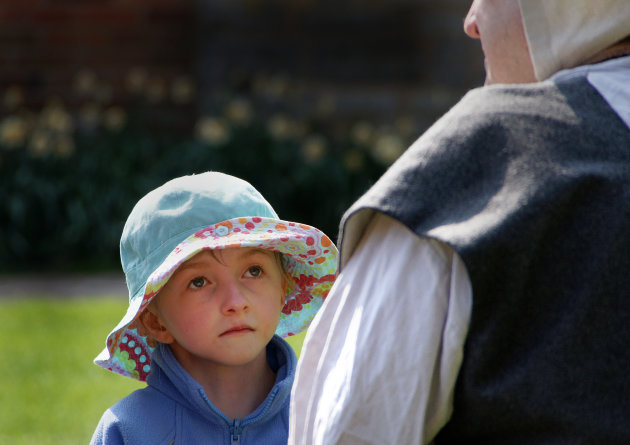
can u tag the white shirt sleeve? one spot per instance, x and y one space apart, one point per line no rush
380 360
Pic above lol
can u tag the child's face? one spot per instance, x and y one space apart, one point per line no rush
223 310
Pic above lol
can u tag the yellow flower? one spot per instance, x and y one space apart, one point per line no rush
211 130
239 111
362 133
280 127
136 80
406 126
13 131
85 82
314 148
156 90
64 145
325 105
40 142
90 114
277 86
54 117
354 160
114 118
387 148
13 97
103 93
183 90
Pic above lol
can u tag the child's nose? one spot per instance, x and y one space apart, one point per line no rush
233 299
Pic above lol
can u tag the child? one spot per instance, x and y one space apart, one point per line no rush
212 274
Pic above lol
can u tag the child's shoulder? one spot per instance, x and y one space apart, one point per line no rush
146 400
144 416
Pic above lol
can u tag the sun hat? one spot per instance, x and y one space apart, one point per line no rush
207 211
564 33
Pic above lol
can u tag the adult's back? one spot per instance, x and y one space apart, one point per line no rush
484 287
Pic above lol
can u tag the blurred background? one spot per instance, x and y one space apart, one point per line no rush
103 100
310 101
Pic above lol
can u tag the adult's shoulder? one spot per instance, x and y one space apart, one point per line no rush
493 118
535 99
490 133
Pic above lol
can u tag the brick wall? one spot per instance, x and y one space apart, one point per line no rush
375 57
45 44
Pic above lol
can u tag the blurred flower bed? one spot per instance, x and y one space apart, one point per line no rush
69 176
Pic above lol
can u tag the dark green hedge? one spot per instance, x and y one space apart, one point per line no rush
64 208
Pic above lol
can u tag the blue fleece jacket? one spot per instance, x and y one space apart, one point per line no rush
174 409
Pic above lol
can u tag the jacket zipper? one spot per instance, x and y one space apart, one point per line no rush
236 427
235 433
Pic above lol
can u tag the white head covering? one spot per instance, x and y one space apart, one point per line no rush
563 33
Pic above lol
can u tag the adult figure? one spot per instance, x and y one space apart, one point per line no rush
484 294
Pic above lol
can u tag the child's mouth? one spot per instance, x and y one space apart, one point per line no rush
237 330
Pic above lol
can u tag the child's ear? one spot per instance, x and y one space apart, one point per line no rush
149 325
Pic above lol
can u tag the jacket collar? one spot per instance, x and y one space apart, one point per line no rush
169 378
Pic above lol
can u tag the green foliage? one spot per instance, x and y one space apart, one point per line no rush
50 391
64 206
71 172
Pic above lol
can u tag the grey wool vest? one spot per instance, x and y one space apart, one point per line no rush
531 187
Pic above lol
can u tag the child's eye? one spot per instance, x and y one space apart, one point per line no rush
197 283
254 272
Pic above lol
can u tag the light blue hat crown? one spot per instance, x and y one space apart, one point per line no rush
174 211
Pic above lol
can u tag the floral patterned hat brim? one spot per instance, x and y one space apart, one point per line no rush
310 259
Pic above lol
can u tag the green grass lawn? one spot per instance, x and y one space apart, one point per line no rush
50 391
